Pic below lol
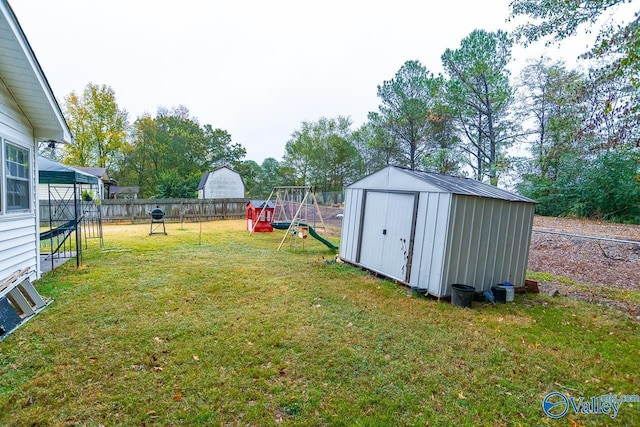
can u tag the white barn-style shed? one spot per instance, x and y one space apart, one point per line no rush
221 183
430 231
29 114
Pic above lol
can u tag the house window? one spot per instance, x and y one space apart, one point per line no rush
17 176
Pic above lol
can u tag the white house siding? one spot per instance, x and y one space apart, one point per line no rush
18 238
65 191
58 192
432 223
488 242
17 246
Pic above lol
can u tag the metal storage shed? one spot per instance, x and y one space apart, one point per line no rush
430 231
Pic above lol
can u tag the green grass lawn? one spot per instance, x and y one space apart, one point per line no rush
219 328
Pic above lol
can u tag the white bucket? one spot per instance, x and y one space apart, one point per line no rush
509 291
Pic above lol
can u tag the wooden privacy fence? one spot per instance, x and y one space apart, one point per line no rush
137 210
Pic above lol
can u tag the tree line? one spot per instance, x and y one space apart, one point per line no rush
566 138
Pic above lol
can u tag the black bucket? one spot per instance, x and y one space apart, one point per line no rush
462 295
500 294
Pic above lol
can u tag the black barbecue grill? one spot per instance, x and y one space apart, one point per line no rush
157 220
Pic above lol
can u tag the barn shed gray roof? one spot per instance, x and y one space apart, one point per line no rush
205 176
466 186
203 180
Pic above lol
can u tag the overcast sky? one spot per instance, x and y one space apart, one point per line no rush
255 68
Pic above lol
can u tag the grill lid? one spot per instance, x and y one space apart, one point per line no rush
157 213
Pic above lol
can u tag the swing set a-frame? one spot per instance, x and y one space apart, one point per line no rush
296 211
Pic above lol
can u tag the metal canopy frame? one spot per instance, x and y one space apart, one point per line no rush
68 214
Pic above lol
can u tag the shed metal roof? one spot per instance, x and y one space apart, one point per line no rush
205 176
203 180
466 186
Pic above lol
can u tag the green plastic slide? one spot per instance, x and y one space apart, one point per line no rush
312 232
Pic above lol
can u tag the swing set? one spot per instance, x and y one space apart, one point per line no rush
296 211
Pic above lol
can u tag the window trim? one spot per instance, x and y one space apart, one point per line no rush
5 176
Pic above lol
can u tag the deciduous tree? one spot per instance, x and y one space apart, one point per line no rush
221 150
376 146
552 100
99 127
616 52
617 44
323 155
173 145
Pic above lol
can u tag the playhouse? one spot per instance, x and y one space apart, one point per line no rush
259 215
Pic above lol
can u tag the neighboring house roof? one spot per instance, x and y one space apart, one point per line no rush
259 204
26 82
205 177
121 190
99 172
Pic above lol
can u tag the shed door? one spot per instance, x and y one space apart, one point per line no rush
386 233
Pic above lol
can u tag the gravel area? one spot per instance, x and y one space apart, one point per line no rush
599 271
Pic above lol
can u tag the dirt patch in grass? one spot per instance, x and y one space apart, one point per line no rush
588 227
597 271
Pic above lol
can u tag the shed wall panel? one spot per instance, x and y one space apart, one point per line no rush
430 238
351 224
488 242
497 242
518 240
